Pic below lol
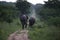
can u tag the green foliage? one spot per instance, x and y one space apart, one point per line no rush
46 33
52 4
54 21
50 14
23 6
7 12
6 29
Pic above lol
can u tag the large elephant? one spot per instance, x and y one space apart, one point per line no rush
23 19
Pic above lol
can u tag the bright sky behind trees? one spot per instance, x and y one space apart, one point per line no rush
31 1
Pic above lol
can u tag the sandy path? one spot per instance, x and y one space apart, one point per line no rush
19 35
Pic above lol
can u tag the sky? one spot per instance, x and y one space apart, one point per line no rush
31 1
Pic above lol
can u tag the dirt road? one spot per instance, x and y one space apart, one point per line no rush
19 35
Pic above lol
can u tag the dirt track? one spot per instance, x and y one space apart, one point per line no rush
19 35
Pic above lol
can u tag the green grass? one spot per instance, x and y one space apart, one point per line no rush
44 33
40 30
6 29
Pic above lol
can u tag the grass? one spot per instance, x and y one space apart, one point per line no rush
40 30
44 33
6 29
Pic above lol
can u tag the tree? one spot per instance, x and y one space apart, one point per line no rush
7 12
50 12
23 6
52 4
